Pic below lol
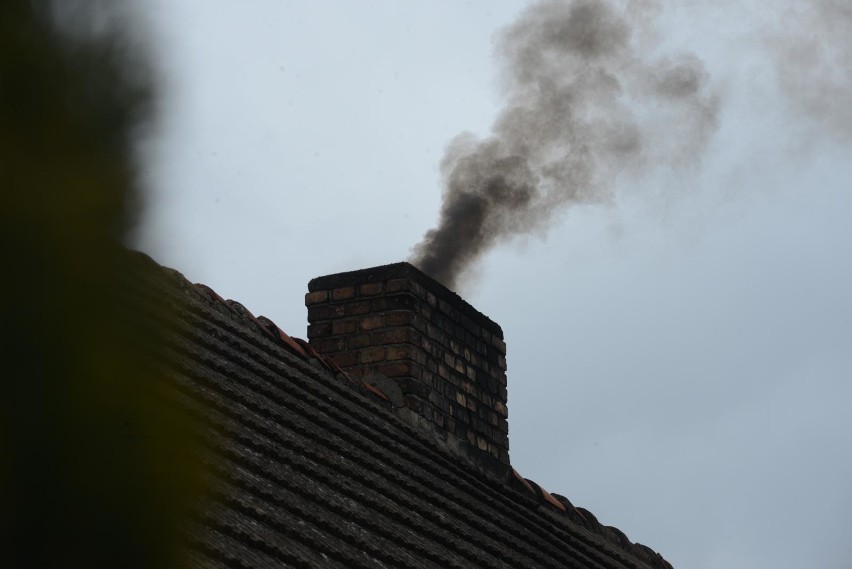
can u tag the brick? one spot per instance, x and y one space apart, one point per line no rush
371 322
396 285
418 289
418 356
470 324
450 424
316 297
372 355
455 347
396 369
317 313
319 330
399 352
431 299
345 359
440 420
504 456
357 308
493 450
400 318
358 341
395 336
343 293
434 397
356 372
428 379
339 327
371 289
501 408
395 302
329 345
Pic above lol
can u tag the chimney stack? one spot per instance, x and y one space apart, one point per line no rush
442 362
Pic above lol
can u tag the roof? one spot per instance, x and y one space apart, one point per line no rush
309 468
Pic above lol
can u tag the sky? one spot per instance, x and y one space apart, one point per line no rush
678 342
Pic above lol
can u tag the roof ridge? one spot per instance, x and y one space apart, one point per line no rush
587 519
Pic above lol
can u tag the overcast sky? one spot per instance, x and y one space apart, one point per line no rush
679 351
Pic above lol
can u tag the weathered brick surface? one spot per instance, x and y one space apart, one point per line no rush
448 359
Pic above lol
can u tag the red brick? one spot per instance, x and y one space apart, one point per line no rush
316 297
371 289
343 327
372 322
344 293
372 355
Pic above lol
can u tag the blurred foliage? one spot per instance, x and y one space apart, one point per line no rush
96 468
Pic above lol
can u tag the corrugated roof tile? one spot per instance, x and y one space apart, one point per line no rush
313 474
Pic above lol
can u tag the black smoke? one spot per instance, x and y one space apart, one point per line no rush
587 100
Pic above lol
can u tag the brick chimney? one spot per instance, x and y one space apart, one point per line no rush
442 363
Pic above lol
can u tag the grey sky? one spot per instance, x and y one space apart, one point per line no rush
679 356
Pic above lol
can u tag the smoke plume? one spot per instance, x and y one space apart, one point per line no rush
813 59
588 99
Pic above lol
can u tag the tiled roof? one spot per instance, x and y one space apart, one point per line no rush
309 468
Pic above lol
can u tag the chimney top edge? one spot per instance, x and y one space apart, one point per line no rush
402 270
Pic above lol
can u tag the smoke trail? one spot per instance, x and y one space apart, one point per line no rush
584 104
813 58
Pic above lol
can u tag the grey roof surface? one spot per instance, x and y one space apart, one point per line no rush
308 468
